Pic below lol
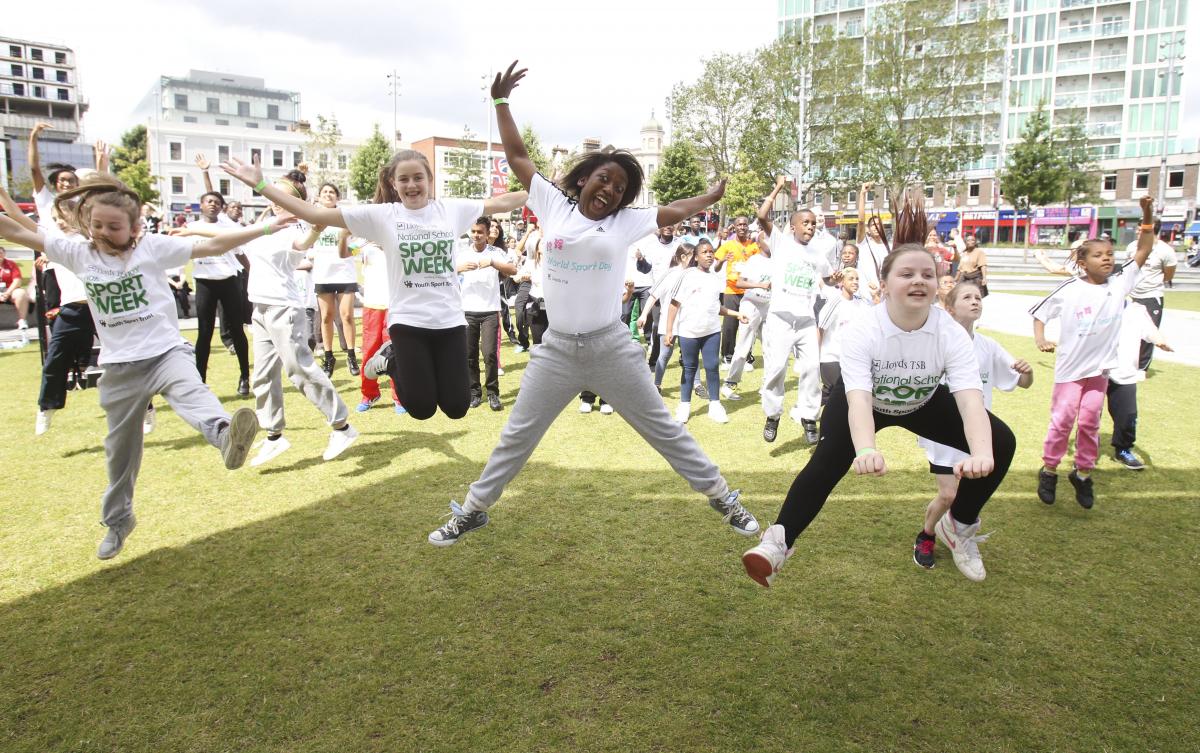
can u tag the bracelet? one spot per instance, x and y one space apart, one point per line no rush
267 229
261 185
1145 228
865 451
499 101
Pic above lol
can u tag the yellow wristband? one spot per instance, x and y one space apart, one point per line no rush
499 101
261 185
865 451
267 229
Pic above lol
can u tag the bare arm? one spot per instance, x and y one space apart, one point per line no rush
202 163
228 241
672 314
19 234
101 150
35 162
251 175
678 211
861 416
1146 237
510 135
307 241
505 202
764 210
978 429
1039 337
861 230
745 284
14 212
344 244
1049 266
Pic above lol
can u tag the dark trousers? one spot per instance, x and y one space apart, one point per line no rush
227 293
231 321
1154 307
1122 407
590 398
729 325
938 419
652 333
429 369
482 331
182 298
693 349
71 337
831 373
539 322
522 314
641 295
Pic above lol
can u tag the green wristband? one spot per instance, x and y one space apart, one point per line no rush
261 185
500 101
865 451
267 229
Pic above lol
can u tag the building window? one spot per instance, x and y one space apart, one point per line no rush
18 90
222 153
870 197
323 160
38 73
929 190
14 50
60 58
277 158
243 109
1141 179
176 150
39 92
273 112
1110 182
64 95
60 77
1175 179
256 156
251 124
223 186
181 101
222 121
214 104
190 119
177 184
297 158
851 197
18 70
342 164
35 53
280 128
973 189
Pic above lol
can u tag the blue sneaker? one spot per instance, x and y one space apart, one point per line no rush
400 409
365 405
1129 460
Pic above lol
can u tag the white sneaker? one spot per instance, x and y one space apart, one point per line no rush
269 449
499 371
23 329
683 412
717 413
606 410
963 543
43 422
729 393
339 441
764 561
148 421
585 407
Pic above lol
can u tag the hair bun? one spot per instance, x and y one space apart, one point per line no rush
302 168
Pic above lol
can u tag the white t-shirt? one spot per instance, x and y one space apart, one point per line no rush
664 292
131 300
836 316
640 279
1150 280
995 370
70 287
796 274
828 246
699 297
216 267
422 283
329 268
1091 321
1136 327
44 201
273 263
534 270
870 263
480 287
375 277
902 369
757 268
659 255
584 263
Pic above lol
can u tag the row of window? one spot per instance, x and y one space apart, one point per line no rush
175 154
852 196
213 105
14 51
1141 180
36 72
179 186
36 91
225 122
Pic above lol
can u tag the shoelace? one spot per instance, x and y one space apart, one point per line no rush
926 546
971 543
456 515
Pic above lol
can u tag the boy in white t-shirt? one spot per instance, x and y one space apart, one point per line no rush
479 267
1136 328
754 277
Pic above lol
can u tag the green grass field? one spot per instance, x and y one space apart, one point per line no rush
297 607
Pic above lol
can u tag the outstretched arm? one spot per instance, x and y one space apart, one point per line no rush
861 231
202 163
764 211
14 212
678 211
228 241
510 135
19 234
35 162
1146 237
505 202
251 175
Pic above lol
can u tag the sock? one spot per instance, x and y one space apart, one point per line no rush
470 506
1082 474
274 437
1051 471
924 536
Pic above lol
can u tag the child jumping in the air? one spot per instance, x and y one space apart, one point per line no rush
1090 307
997 368
142 352
588 230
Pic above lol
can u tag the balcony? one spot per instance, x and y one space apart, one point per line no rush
1113 29
1073 99
825 6
1107 96
853 4
1068 33
1103 130
1077 65
1110 63
1077 3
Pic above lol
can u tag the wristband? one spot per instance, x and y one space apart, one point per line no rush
261 185
267 229
865 451
1144 228
499 101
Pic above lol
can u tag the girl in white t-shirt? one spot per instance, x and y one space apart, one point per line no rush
841 308
664 290
997 369
589 227
427 355
142 352
695 316
374 321
335 281
1090 308
904 363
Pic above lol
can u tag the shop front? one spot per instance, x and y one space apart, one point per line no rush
1052 225
1008 227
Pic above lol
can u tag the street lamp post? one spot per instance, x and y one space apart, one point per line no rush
1170 48
394 90
487 167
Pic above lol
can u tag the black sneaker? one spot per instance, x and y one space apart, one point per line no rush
476 401
1129 460
327 364
771 429
810 431
701 392
1083 490
352 362
1047 482
494 402
378 364
923 550
243 388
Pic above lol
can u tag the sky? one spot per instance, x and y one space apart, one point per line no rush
595 69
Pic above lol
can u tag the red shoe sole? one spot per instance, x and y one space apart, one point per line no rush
758 568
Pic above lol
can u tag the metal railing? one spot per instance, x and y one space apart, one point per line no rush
1107 96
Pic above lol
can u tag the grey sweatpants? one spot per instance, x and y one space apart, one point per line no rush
281 347
608 363
784 335
125 390
756 312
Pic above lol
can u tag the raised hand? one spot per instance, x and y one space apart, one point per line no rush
507 81
250 174
1147 203
976 466
718 190
781 181
201 161
38 128
280 223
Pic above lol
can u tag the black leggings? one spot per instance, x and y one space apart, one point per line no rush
71 337
228 293
938 420
429 369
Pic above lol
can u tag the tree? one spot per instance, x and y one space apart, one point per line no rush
679 176
912 111
130 164
533 145
321 151
366 164
1077 168
743 194
1033 174
466 179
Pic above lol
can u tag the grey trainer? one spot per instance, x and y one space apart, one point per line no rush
378 364
735 514
239 435
114 540
460 522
